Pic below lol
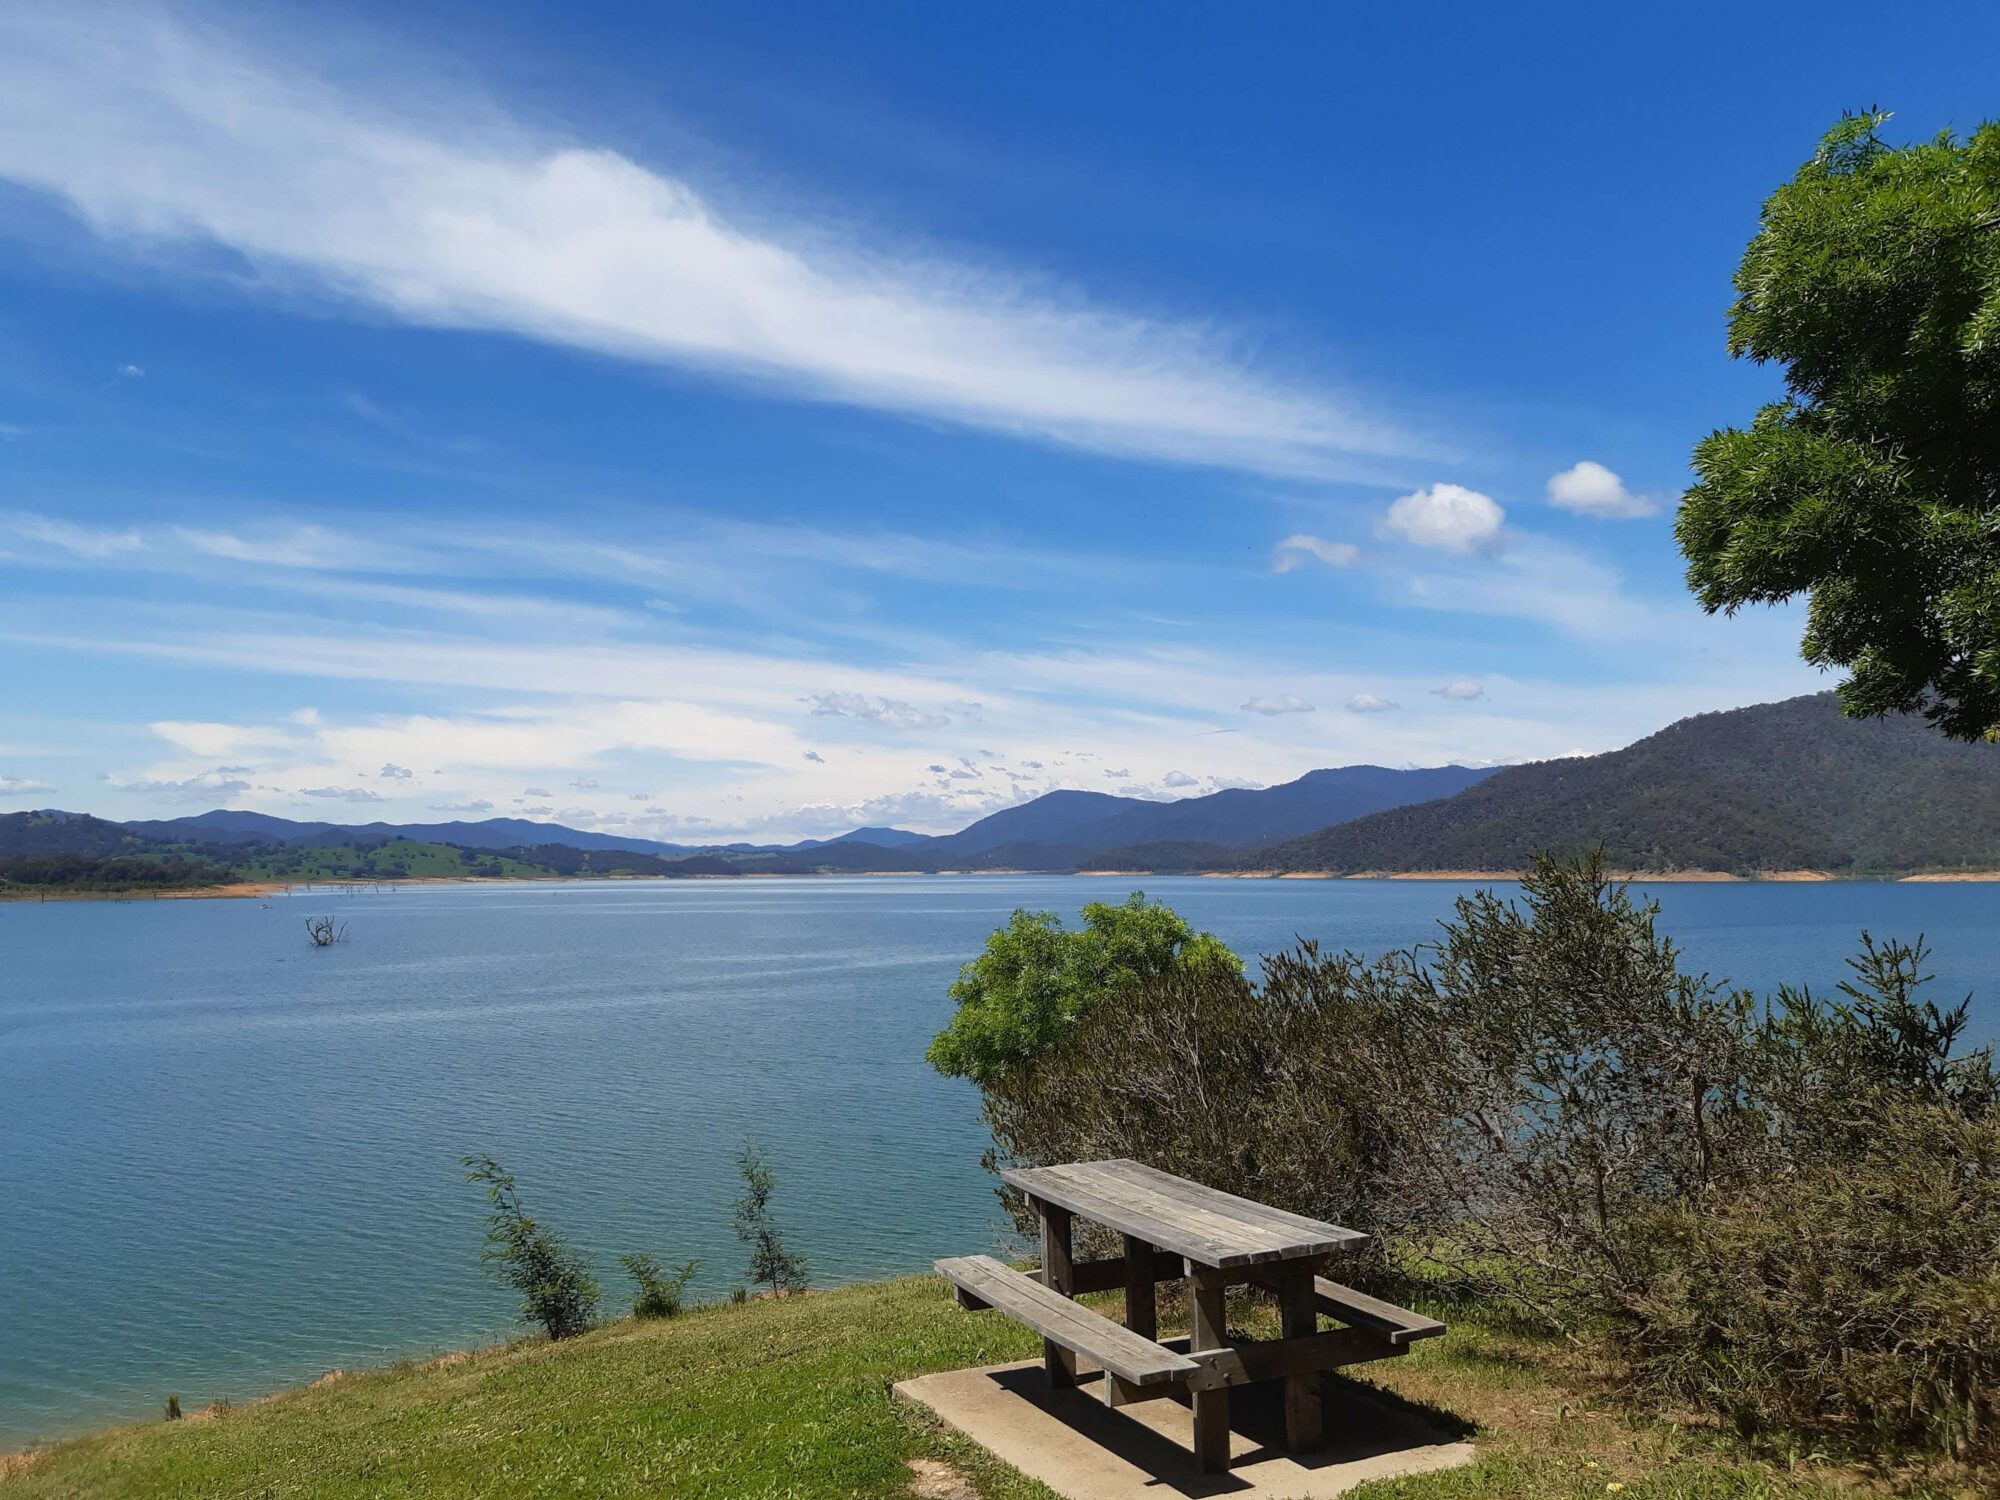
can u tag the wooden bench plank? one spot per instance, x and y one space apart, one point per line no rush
1398 1324
1134 1360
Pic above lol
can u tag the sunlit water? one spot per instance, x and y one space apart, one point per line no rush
229 1162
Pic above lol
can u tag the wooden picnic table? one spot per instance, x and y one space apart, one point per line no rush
1173 1228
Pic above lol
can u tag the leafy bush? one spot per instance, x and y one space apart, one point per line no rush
771 1264
660 1292
1543 1107
554 1281
1858 1294
1037 979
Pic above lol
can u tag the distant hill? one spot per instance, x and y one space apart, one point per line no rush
1087 822
28 834
227 826
1791 785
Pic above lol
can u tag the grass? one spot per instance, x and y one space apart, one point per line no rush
791 1398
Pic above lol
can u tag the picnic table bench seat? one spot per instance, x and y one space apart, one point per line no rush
1172 1229
983 1281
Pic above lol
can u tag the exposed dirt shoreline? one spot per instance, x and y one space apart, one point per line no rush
251 889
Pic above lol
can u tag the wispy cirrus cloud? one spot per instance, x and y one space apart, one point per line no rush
446 212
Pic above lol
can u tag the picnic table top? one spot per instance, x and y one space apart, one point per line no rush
1183 1218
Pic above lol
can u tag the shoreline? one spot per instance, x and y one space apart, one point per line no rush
244 890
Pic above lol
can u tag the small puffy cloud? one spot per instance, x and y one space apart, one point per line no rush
129 372
342 794
638 796
477 805
937 770
1590 489
1118 775
584 784
1294 550
536 791
1277 703
1463 690
392 772
1445 515
962 774
22 786
1179 778
537 812
815 757
891 713
1368 703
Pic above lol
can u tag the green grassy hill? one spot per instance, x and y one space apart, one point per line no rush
792 1399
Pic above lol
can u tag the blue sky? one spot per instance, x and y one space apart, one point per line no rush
750 420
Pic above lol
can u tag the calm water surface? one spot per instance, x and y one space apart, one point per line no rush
229 1162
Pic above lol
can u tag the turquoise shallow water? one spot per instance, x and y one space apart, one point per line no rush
229 1162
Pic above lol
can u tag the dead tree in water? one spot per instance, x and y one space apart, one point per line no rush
324 932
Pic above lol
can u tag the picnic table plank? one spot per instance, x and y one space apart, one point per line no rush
1215 1228
1136 1360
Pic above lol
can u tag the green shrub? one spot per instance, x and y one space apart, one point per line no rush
660 1292
554 1281
771 1263
1786 1211
1037 979
1857 1295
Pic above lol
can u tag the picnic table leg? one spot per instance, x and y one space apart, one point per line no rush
1305 1400
1210 1330
1058 1275
1142 1314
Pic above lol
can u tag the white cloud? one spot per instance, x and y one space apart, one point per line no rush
1368 703
342 793
1590 489
96 543
584 784
439 210
1295 549
1280 703
1179 779
393 772
891 713
1445 515
536 791
815 757
477 805
206 786
1462 690
129 372
22 786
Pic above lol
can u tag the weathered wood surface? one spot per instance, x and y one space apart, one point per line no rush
1298 1311
1397 1324
1111 1275
1136 1361
1248 1362
1057 1259
1184 1218
1209 1331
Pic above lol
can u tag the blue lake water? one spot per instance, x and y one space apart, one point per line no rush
229 1162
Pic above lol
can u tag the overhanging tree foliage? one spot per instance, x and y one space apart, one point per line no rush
1874 488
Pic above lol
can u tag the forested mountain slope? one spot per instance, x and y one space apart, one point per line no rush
1791 785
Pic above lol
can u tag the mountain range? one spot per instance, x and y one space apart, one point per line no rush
1791 785
1065 826
1782 786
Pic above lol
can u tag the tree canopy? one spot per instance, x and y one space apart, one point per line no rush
1036 979
1874 488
